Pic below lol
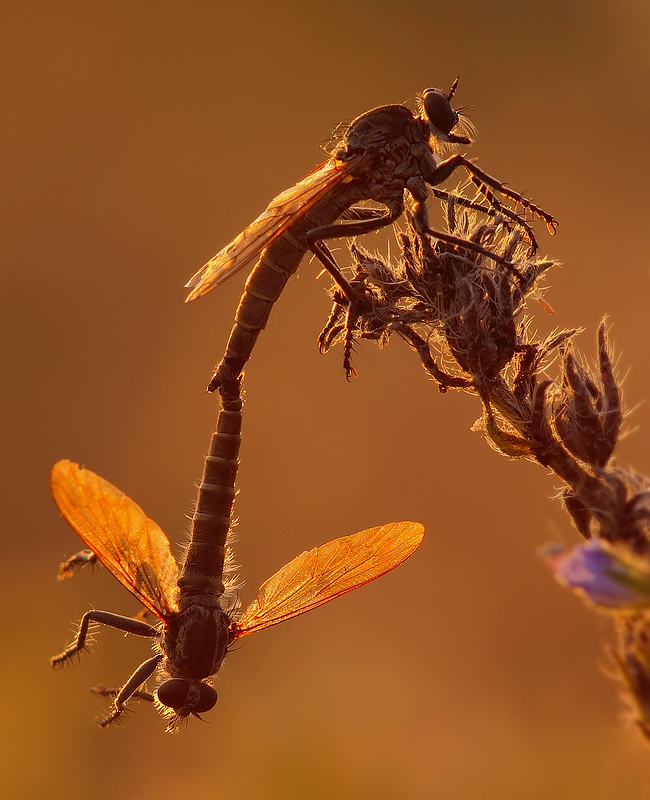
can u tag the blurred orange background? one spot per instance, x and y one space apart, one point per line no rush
139 138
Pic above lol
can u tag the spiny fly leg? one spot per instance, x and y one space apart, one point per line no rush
349 312
365 221
495 209
420 221
127 624
349 297
359 221
351 319
474 247
481 179
362 220
130 688
333 325
358 213
452 199
102 691
324 255
507 212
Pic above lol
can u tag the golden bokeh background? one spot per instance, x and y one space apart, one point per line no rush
139 138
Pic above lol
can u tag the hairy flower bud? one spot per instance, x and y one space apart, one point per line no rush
587 415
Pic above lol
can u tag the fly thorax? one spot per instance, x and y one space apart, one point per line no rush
375 128
196 639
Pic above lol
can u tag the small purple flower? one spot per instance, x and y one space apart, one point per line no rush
606 576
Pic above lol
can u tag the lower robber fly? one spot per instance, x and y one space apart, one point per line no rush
383 154
197 622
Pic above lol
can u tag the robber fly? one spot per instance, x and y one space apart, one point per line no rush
383 154
197 621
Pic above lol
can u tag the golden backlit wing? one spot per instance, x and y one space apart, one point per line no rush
129 544
319 575
280 214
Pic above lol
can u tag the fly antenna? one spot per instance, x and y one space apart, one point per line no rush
454 85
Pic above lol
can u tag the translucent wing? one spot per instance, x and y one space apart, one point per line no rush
319 575
124 539
280 214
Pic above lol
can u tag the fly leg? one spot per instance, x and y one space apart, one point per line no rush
373 220
482 180
359 213
130 689
129 625
333 326
348 301
346 297
135 626
459 200
363 221
270 276
496 209
420 219
351 318
102 691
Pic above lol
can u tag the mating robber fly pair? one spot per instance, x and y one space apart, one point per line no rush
385 155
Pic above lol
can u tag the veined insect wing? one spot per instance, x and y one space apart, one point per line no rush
317 576
127 542
281 213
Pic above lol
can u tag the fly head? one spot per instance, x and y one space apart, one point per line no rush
186 697
435 106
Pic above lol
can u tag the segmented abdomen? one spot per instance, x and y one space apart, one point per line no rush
204 560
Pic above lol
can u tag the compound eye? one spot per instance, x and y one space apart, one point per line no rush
207 698
173 693
438 110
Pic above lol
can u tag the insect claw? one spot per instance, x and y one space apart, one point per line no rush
532 249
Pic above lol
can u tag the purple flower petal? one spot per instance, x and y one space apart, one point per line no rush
609 577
